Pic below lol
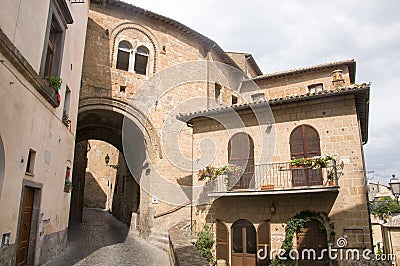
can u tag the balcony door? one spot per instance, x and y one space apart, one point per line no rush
304 143
241 153
243 243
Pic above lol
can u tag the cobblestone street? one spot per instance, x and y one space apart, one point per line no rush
102 240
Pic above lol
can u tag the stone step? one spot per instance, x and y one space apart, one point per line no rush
162 246
159 238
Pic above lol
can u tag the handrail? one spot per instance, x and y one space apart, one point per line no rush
177 208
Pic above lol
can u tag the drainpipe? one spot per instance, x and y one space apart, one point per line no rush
189 124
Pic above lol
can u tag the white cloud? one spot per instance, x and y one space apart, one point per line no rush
292 33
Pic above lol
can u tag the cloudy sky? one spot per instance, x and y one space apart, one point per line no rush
294 33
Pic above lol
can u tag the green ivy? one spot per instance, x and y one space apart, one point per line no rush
296 223
205 242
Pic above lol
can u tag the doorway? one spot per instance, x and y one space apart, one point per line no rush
241 153
312 236
243 243
25 226
304 143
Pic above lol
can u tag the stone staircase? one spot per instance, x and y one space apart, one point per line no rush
159 240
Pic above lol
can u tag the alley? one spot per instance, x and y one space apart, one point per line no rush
102 240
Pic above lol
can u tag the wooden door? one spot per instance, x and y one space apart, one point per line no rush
264 243
241 153
304 143
222 242
25 226
312 237
243 244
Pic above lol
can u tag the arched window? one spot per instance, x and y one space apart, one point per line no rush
124 55
304 143
241 153
141 59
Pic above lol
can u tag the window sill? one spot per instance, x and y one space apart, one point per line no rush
30 174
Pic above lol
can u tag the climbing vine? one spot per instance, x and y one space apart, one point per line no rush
205 242
296 223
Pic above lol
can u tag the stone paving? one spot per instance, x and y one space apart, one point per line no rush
102 240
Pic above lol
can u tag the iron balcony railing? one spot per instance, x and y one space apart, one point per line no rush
282 176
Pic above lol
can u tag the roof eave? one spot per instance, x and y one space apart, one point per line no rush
361 97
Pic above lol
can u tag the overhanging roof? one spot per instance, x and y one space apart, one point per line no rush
351 64
360 92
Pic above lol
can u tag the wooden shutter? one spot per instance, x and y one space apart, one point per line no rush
304 142
263 240
222 241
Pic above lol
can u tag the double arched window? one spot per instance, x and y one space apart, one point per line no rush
130 60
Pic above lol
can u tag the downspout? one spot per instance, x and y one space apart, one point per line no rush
189 124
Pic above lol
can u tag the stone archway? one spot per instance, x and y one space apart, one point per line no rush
106 119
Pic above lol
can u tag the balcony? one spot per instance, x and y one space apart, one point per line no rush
279 178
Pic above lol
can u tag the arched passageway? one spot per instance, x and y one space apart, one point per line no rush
121 195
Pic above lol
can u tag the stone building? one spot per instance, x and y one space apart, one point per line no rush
169 101
38 123
142 71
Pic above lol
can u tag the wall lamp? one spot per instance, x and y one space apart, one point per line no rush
273 208
395 187
107 161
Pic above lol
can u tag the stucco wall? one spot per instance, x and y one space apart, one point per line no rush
30 122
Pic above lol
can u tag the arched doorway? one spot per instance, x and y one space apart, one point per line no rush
304 143
244 245
312 237
241 153
105 122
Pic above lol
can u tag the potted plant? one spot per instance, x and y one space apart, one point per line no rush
230 172
300 163
267 187
67 186
55 83
331 178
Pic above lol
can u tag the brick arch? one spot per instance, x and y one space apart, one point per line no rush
148 130
133 26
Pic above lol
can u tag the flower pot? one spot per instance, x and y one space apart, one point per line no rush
331 183
267 187
67 189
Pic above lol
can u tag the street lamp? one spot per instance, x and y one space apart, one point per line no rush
395 187
107 161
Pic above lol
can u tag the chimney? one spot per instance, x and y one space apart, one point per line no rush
337 78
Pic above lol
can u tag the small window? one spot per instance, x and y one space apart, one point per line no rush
315 88
234 99
141 59
31 162
123 57
258 97
67 102
122 88
217 92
